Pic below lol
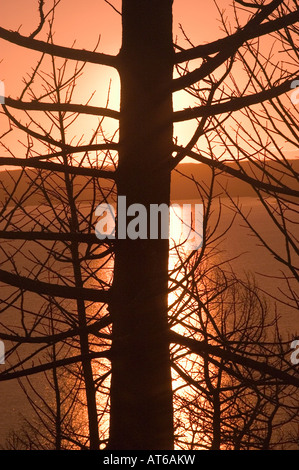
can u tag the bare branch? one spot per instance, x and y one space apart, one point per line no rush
49 365
205 50
59 51
112 6
237 173
42 19
51 236
211 64
60 167
62 107
235 104
202 347
46 288
55 338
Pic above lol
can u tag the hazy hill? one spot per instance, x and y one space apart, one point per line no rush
183 185
184 188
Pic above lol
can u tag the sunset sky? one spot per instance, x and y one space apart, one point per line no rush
79 310
83 23
80 24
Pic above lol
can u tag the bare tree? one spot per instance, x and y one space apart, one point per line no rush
135 301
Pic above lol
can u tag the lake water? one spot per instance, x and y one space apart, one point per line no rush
248 256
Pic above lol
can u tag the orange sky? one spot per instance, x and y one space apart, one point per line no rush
82 23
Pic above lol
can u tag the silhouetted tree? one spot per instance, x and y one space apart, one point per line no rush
141 397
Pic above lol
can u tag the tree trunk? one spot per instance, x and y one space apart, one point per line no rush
141 394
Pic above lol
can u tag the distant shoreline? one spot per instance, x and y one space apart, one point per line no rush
190 181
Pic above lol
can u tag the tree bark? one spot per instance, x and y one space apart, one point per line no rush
141 393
